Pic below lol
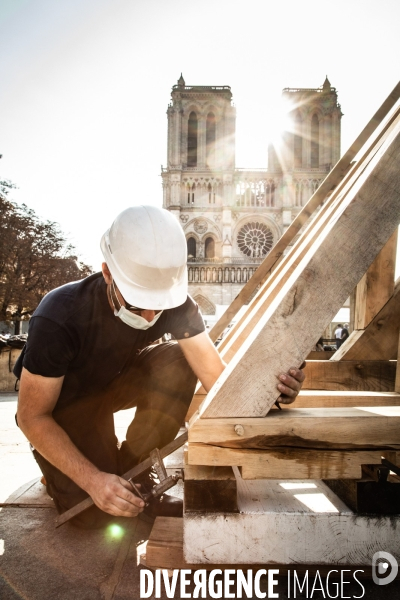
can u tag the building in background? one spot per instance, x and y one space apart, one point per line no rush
232 217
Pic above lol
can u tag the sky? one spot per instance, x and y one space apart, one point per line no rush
85 85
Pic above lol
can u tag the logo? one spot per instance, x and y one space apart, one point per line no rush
384 568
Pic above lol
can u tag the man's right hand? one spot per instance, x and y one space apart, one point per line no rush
114 495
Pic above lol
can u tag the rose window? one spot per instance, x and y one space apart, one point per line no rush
255 239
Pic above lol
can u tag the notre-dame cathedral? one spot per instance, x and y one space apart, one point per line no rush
232 217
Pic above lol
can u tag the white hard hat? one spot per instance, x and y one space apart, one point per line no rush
145 251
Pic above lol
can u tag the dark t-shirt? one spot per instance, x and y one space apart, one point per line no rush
74 333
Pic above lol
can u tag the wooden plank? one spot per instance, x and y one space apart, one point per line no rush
210 489
281 264
233 339
325 428
369 376
376 285
331 399
290 525
165 551
291 462
285 334
379 341
333 178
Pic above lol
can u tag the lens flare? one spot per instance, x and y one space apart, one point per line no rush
115 531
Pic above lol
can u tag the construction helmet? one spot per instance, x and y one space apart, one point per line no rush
145 251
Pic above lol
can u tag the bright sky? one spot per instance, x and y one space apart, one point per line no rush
86 84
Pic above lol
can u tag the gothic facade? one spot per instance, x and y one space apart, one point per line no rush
232 217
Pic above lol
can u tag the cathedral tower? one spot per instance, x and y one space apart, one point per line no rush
232 217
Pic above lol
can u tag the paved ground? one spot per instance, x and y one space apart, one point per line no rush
38 562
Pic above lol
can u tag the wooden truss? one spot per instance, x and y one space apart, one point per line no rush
347 416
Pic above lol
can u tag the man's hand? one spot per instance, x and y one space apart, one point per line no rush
114 495
290 384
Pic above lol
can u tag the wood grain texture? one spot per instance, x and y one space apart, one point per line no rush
376 285
379 341
333 178
165 551
276 525
319 285
313 428
291 463
368 376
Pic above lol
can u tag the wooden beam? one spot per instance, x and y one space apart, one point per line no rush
325 428
315 291
210 489
379 341
165 551
315 201
289 526
376 285
268 291
291 463
361 375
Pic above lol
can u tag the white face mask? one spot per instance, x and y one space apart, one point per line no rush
135 321
129 318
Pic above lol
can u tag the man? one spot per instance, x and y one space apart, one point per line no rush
90 354
338 335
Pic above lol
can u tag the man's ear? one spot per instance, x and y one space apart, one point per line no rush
106 273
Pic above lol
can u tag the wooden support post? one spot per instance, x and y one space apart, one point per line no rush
379 341
376 286
210 489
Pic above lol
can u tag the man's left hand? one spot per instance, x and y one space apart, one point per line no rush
290 384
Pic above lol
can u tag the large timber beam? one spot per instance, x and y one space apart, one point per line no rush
376 286
305 428
361 223
334 177
291 463
379 341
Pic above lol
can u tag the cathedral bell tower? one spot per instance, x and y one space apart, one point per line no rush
201 146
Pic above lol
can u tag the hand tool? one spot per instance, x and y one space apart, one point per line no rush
132 474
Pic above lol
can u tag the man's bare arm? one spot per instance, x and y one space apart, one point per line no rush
203 357
207 364
37 399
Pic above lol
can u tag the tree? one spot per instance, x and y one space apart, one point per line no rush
34 259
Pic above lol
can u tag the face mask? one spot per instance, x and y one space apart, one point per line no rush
129 318
135 321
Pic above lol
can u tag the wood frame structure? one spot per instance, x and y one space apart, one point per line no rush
348 417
